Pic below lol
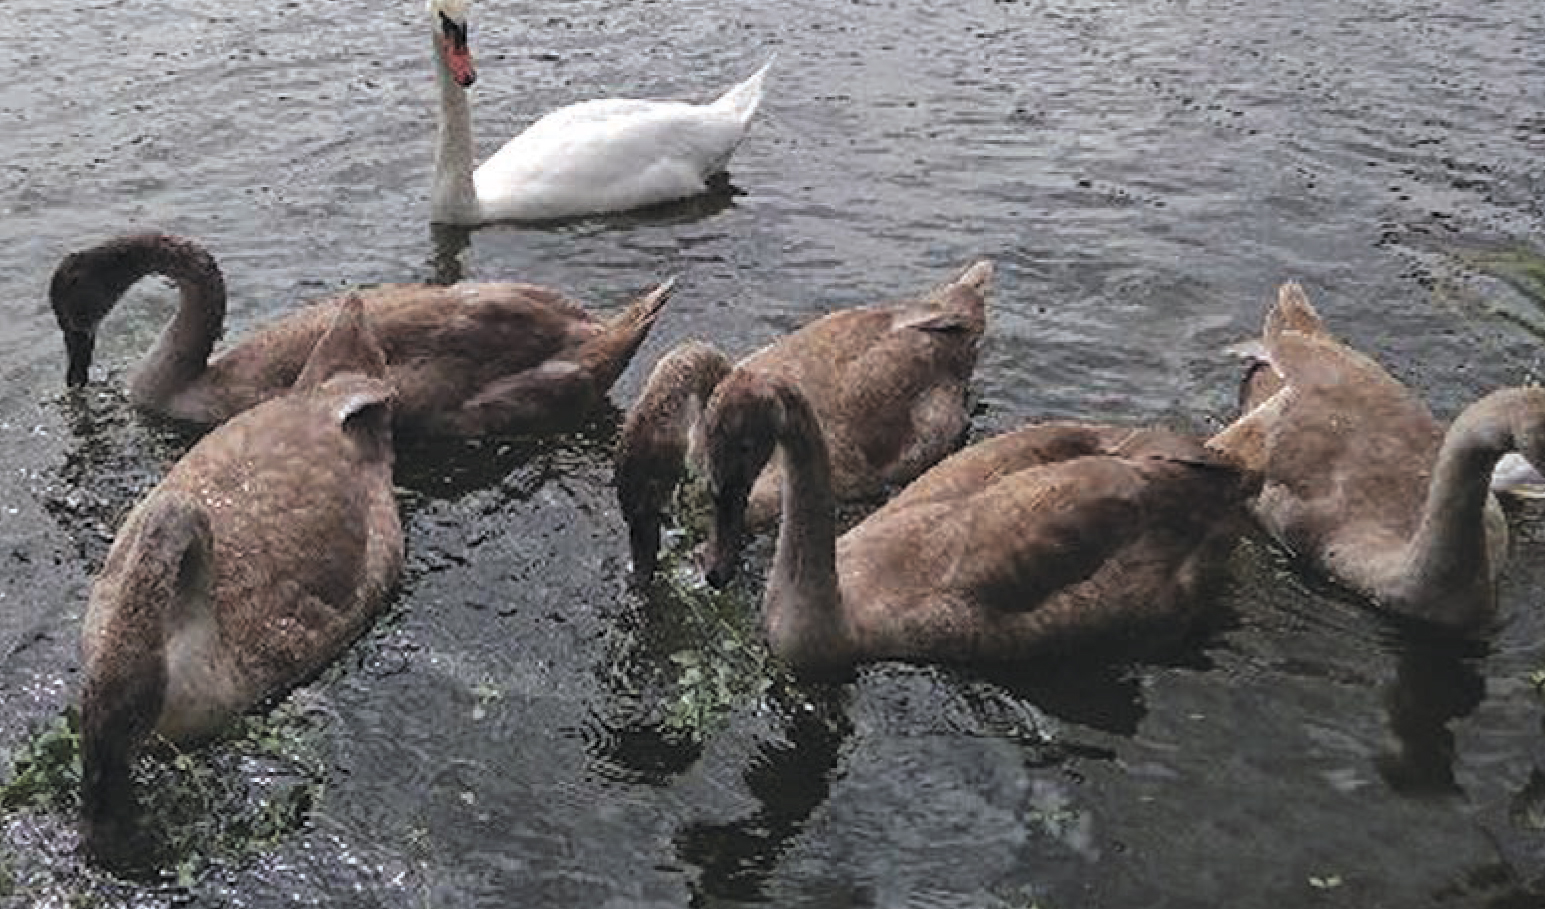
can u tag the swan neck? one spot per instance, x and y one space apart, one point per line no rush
652 450
803 601
1454 538
157 581
454 195
682 382
181 352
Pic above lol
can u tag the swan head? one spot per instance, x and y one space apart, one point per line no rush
742 425
88 283
646 478
83 290
450 24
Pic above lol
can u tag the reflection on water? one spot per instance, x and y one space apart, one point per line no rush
114 455
790 778
450 241
1437 681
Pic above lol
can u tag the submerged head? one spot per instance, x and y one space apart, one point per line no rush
652 450
742 425
450 23
85 287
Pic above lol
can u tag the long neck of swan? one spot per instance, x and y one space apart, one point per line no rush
679 388
1461 530
454 196
803 603
181 353
154 585
653 448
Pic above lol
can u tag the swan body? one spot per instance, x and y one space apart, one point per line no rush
1361 481
600 156
888 383
265 550
463 360
1046 542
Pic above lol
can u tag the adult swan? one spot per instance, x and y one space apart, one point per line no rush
598 156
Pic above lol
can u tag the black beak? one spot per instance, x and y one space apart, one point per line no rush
644 541
724 542
79 345
455 32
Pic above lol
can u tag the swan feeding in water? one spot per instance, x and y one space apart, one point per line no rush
888 383
463 360
267 548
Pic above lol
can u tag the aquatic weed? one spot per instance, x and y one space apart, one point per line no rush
224 804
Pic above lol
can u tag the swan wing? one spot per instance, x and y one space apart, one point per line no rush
607 155
1065 550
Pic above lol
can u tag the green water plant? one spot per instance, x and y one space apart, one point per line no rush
723 666
224 804
45 770
1519 266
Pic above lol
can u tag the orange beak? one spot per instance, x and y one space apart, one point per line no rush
458 58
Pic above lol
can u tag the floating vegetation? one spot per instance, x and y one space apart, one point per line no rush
220 805
724 665
1519 266
45 772
1520 269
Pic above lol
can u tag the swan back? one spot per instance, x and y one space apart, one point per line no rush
888 384
594 157
1056 540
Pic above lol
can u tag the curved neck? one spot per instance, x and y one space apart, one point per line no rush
156 584
678 389
653 446
803 603
1454 557
90 283
453 199
181 353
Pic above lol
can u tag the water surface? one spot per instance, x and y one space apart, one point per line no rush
519 730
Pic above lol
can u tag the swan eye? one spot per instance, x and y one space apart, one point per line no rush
455 31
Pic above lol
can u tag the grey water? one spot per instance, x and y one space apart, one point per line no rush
519 729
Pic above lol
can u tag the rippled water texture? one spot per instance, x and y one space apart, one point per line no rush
519 730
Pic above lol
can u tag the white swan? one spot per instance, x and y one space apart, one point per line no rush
590 158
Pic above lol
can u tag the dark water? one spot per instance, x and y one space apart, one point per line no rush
519 730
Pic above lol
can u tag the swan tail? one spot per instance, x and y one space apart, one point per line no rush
966 295
608 354
1293 312
743 99
348 345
